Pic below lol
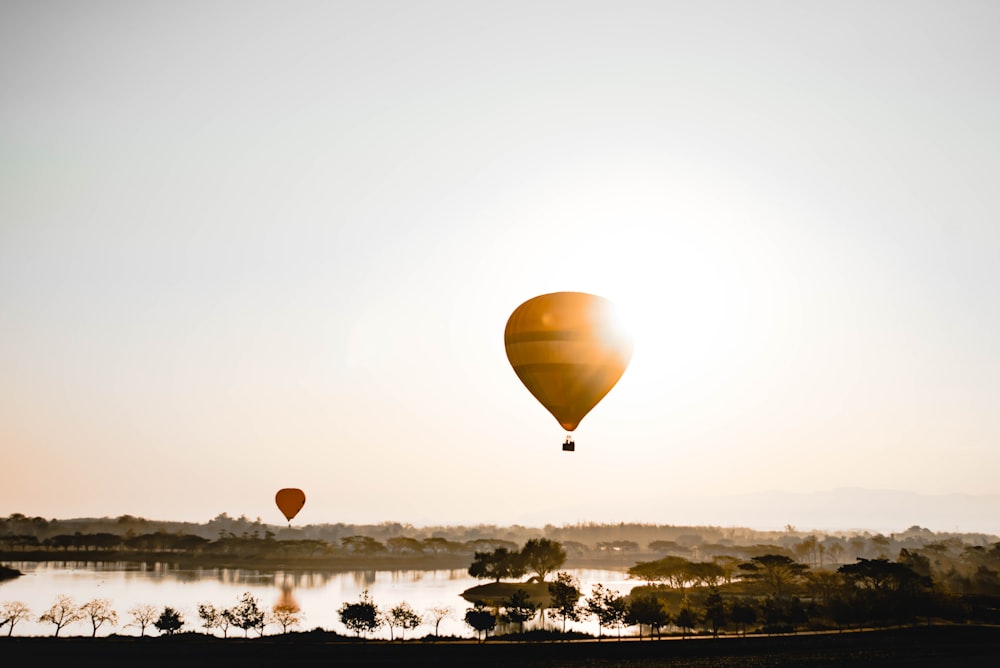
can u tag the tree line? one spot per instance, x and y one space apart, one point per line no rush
581 540
768 593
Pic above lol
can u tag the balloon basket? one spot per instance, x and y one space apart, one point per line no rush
569 445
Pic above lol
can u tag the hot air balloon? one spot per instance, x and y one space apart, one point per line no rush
290 501
569 351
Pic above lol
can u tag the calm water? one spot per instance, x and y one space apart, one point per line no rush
319 595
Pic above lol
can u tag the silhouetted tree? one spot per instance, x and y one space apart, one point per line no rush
776 571
404 617
823 584
685 620
362 617
648 609
517 609
210 616
563 596
496 565
608 606
743 613
404 545
482 619
708 573
170 621
543 556
887 589
365 545
716 614
678 572
247 614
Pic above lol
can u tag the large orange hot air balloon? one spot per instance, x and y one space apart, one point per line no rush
569 351
290 501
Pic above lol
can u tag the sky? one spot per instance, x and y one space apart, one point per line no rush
253 245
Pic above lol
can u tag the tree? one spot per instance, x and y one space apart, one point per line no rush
404 617
648 609
481 619
12 612
286 615
362 617
835 550
62 613
211 617
142 615
728 565
823 584
806 548
685 621
170 621
99 612
744 614
438 614
365 545
887 589
543 556
608 606
496 565
247 614
518 609
776 571
678 572
708 573
715 611
404 545
563 596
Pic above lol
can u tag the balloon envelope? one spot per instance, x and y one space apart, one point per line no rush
290 501
569 351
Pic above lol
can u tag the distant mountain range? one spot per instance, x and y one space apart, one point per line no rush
841 509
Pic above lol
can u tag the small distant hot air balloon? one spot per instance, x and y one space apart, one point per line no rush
569 351
290 501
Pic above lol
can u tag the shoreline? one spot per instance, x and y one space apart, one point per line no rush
326 565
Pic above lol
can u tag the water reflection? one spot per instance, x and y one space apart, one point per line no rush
319 595
363 579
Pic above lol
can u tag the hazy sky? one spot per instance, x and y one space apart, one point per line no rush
252 245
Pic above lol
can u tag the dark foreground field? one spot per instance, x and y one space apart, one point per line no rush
973 646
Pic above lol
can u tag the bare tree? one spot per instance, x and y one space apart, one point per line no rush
143 615
287 615
11 613
99 612
62 613
438 614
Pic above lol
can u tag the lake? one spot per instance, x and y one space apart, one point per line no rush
318 594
